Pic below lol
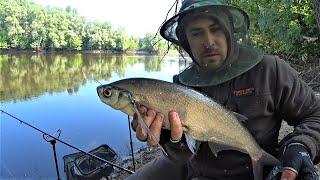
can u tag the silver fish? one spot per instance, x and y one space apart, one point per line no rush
202 118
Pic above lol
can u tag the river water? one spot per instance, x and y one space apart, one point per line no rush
55 92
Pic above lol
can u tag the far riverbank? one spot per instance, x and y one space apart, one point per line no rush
106 52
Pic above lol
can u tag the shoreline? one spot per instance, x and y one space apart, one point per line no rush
71 52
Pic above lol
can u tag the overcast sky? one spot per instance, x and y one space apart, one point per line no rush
136 16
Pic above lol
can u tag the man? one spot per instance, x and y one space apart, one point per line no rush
246 81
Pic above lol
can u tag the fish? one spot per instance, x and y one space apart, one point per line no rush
203 119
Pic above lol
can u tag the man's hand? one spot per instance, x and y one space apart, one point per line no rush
296 161
296 164
154 121
288 175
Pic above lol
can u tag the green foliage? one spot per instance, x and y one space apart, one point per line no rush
146 43
132 44
75 30
35 31
280 26
152 43
26 25
58 24
3 42
12 14
98 36
120 40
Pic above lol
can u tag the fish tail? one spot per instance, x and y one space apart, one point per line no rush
265 159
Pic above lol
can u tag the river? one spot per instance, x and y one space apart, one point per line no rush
58 92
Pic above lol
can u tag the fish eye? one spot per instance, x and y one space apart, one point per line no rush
107 92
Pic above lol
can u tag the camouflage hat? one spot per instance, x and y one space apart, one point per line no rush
240 18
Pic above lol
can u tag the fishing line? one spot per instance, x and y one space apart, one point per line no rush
97 81
167 51
176 2
67 144
144 125
183 57
131 145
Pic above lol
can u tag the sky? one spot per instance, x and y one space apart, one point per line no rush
138 17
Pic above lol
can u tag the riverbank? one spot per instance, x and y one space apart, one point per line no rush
105 52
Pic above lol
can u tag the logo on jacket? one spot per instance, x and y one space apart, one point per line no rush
244 91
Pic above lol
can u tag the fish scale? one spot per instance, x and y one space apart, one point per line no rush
203 119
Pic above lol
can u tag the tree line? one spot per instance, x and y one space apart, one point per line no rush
29 26
283 27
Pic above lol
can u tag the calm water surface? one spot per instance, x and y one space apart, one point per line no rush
59 92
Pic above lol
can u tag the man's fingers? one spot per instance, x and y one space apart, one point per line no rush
134 123
143 109
139 133
150 115
155 129
175 125
288 175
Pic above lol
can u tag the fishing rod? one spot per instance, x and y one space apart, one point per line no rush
67 144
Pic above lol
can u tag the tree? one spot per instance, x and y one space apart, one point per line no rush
56 29
281 26
75 30
121 40
11 14
26 25
36 31
152 43
132 44
98 36
3 42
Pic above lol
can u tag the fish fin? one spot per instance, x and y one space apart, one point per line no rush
191 143
265 159
146 130
242 118
257 169
217 147
268 159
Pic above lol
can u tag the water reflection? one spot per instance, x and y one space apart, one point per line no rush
23 77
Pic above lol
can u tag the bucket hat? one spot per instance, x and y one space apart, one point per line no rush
240 18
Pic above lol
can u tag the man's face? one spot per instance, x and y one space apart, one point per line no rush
207 41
